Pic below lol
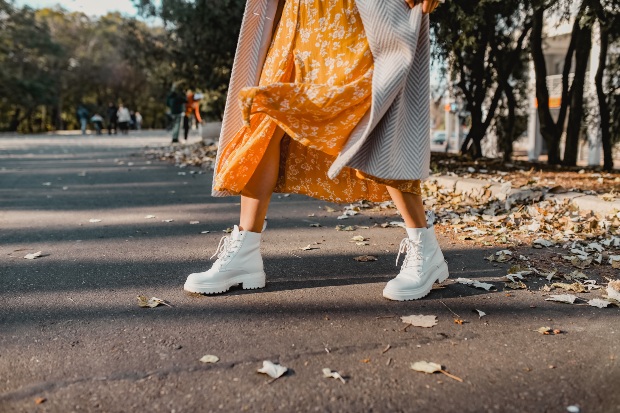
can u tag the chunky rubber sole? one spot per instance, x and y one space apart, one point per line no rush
247 281
439 274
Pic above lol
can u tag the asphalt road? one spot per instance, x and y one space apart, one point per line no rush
71 331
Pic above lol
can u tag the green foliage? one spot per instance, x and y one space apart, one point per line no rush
202 35
52 60
27 56
482 44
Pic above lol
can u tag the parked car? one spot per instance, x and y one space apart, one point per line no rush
439 142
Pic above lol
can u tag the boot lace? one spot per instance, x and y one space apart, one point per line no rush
413 250
224 249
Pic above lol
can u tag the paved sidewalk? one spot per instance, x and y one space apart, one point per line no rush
71 331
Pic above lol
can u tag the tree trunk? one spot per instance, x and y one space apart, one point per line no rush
608 162
15 120
575 118
550 130
510 132
58 123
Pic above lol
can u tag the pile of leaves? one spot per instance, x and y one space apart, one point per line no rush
198 154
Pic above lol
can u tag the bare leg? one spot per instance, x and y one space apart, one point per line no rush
256 195
410 207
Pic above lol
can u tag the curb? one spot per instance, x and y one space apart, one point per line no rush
505 192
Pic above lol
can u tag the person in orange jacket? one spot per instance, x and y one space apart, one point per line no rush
192 108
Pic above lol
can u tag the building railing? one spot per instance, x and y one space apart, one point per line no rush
554 84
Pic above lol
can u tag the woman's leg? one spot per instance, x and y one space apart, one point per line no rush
256 195
424 262
410 207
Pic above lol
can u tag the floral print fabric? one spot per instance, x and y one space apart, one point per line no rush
316 85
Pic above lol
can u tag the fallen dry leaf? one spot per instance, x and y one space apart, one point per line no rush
33 255
420 320
517 285
577 275
549 275
613 290
475 284
144 301
562 298
480 313
272 370
209 358
430 368
194 222
458 321
549 331
580 262
149 217
94 220
40 400
365 258
600 303
328 373
347 228
503 256
426 367
309 247
542 243
576 287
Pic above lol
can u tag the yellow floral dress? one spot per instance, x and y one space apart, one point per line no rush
316 85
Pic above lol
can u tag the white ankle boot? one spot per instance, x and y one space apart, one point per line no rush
423 266
238 262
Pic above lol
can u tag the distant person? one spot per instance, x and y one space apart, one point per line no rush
124 118
192 110
112 118
138 121
168 120
176 102
97 122
82 115
132 122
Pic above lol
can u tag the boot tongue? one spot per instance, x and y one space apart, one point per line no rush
235 233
